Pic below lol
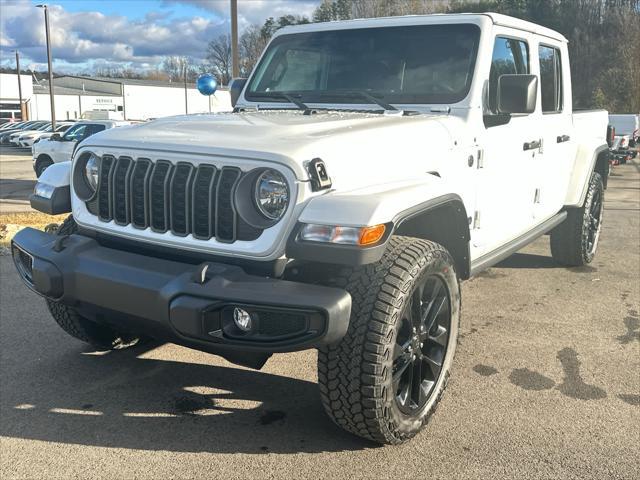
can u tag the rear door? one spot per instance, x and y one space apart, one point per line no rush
553 166
506 186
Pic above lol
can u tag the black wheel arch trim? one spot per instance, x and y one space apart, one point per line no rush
604 148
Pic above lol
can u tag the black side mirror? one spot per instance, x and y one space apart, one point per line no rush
517 94
235 89
55 137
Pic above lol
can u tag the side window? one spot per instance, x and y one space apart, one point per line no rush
75 133
510 56
550 79
92 129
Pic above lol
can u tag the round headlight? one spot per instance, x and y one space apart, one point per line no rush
272 194
91 171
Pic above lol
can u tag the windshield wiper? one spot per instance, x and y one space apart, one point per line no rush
288 97
367 96
387 107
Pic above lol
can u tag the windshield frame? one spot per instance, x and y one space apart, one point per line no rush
324 97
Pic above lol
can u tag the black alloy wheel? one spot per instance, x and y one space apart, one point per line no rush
594 222
421 344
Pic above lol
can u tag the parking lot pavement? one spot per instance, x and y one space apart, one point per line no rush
545 384
17 179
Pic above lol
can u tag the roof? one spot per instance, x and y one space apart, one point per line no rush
134 81
145 82
438 18
43 88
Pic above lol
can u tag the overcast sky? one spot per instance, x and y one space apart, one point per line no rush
136 33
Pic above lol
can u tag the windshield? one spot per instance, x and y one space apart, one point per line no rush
408 64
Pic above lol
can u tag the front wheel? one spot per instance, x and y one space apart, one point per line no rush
42 164
386 376
574 242
101 337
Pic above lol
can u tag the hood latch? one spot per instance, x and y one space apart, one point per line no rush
320 179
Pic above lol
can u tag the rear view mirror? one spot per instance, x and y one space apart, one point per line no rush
235 89
55 137
517 94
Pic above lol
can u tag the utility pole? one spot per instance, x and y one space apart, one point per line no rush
51 96
19 86
186 103
235 62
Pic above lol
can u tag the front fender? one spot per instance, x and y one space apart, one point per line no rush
373 205
57 175
424 208
55 198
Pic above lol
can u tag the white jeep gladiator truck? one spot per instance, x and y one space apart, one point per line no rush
368 167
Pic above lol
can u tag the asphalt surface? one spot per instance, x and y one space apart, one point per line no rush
17 179
546 384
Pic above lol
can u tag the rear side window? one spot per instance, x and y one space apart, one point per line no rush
92 129
510 57
550 79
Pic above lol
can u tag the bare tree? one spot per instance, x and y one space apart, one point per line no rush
219 57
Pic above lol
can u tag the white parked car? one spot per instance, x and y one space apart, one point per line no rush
60 148
27 139
14 137
369 167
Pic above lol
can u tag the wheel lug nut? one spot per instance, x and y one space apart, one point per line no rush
421 344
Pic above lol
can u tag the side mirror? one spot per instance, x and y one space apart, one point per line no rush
55 137
235 89
517 94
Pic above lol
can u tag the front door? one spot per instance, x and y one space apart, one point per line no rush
510 146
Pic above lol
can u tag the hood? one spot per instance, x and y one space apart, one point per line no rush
347 142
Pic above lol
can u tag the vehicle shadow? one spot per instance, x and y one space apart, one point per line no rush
15 189
528 260
123 401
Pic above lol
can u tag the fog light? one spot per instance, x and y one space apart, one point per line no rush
242 319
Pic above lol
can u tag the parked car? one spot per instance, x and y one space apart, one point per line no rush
627 131
6 134
60 148
13 138
369 166
27 139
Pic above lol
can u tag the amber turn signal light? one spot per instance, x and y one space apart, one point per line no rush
371 235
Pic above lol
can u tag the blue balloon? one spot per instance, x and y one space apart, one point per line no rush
207 84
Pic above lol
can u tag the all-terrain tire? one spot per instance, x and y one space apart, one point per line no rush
42 164
355 376
574 242
102 337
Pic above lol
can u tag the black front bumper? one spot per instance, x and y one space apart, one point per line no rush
176 301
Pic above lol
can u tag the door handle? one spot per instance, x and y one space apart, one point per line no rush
563 138
532 145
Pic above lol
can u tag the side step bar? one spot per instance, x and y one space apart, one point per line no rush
491 258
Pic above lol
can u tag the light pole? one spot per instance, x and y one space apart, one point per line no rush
186 101
46 29
235 64
19 85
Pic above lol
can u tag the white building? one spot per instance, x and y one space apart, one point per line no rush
126 98
9 94
145 99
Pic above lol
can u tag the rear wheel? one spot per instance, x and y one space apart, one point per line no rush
99 336
385 378
574 242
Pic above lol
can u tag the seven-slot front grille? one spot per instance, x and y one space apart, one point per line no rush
181 198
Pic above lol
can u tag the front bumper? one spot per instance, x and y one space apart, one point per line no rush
177 302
